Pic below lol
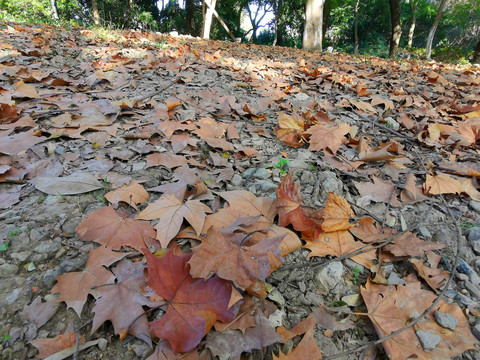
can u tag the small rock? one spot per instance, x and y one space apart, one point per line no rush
253 189
423 231
267 186
461 277
47 248
236 180
352 265
139 166
428 339
35 235
249 172
475 205
261 174
102 344
302 286
474 234
21 256
12 219
330 275
446 320
297 164
313 298
13 296
70 225
476 246
141 349
394 279
277 297
7 270
476 330
391 123
353 300
304 154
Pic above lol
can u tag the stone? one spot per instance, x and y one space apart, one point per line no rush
70 225
249 172
330 275
394 279
446 320
267 186
21 256
352 265
7 270
139 166
476 246
303 154
236 180
353 300
102 344
47 248
298 164
392 124
277 297
428 339
262 174
474 234
35 235
12 219
423 231
475 205
476 330
141 349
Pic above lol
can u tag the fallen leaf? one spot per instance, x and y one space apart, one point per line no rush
306 349
328 136
106 227
50 346
248 204
39 312
433 276
131 194
76 183
170 213
193 304
441 184
15 144
409 244
74 287
337 213
168 160
290 130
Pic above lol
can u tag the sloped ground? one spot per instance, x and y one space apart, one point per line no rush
388 137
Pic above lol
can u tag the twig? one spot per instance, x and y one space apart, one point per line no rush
71 350
77 341
155 92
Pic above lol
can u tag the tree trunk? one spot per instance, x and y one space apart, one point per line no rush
431 34
312 34
96 14
207 19
189 10
412 25
53 4
130 2
396 28
355 28
327 10
476 54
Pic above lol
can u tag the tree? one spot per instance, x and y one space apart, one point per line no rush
413 7
433 29
53 4
476 54
396 33
190 20
262 6
207 17
355 28
313 32
96 14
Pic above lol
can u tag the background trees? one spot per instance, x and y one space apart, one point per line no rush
447 30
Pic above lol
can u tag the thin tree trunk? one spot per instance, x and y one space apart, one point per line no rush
53 4
411 31
355 28
327 9
431 34
189 10
96 14
207 20
476 54
312 34
275 24
130 2
396 28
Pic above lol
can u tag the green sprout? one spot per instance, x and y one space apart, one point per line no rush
356 274
5 337
14 233
4 246
314 169
282 165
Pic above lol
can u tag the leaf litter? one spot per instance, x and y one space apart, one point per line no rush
209 248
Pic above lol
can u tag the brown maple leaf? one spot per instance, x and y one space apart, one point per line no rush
306 349
50 346
232 260
193 304
170 213
392 307
132 194
106 227
433 276
290 130
74 287
249 204
336 214
409 244
328 136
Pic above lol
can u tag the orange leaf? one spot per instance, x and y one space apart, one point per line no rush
337 213
327 136
131 194
49 346
442 184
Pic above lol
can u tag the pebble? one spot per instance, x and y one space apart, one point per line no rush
353 300
297 164
7 270
446 320
141 349
475 205
262 174
329 276
102 344
277 297
70 225
35 235
423 231
47 248
428 339
21 256
267 186
476 246
236 180
249 172
139 166
474 234
12 219
394 279
476 330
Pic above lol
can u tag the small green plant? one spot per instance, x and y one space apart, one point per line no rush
14 233
282 165
4 246
356 274
467 224
314 169
5 337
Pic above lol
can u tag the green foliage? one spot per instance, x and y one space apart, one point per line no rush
40 11
282 165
